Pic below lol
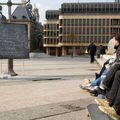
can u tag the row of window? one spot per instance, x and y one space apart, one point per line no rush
89 22
51 33
86 39
52 14
91 8
82 39
78 33
82 30
91 5
82 22
85 30
51 41
115 30
51 26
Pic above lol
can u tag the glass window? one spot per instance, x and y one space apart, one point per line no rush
80 22
68 22
76 22
84 22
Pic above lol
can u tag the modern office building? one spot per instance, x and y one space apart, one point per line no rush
51 32
78 24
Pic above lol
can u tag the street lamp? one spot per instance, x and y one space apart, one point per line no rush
9 4
73 36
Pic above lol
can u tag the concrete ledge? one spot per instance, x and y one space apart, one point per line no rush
100 61
104 58
38 55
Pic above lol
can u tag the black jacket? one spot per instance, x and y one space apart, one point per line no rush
92 48
118 54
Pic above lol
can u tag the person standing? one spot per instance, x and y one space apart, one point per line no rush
92 51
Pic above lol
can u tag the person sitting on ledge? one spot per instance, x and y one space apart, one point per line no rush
91 86
111 84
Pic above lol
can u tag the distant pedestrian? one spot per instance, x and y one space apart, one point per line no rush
92 51
102 50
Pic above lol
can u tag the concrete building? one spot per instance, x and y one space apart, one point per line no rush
78 24
51 33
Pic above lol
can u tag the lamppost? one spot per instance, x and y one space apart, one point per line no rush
9 4
73 36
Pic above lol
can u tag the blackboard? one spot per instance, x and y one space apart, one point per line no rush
13 41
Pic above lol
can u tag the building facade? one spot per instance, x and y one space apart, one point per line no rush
23 15
51 33
79 24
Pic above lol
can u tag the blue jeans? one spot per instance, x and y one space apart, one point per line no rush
100 79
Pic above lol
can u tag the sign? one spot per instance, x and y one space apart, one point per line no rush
13 41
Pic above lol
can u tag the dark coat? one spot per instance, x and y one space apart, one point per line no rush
118 54
92 49
102 50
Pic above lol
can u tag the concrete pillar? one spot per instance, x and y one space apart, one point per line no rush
47 51
74 51
63 51
57 51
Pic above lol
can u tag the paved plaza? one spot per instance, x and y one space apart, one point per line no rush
46 89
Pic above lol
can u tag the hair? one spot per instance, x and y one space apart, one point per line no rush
92 42
117 37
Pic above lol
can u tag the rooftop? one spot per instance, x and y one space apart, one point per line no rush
52 14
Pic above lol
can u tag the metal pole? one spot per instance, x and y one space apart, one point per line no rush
10 61
16 3
9 12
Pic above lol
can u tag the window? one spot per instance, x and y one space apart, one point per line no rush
76 22
68 22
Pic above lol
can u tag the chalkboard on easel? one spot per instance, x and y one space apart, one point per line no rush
13 41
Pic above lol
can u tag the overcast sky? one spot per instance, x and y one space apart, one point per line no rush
44 5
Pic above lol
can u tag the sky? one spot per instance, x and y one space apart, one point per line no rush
44 5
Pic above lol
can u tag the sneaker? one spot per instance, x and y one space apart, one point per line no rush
110 111
94 93
91 88
102 102
98 91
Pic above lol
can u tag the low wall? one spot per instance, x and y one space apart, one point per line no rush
104 58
